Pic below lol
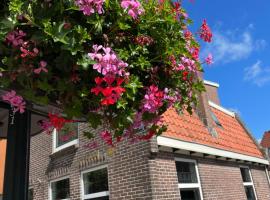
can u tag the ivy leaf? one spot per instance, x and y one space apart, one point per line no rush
57 31
122 104
94 119
85 61
134 84
89 134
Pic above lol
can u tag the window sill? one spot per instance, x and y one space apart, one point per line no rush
68 148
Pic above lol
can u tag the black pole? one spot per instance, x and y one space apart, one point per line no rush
17 157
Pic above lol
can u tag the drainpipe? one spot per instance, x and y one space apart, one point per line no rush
267 174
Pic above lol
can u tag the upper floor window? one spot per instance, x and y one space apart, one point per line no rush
95 184
248 183
66 137
59 189
188 179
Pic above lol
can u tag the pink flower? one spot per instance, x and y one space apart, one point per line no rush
15 38
46 125
107 137
107 61
134 7
187 64
42 67
16 101
90 6
209 59
153 99
205 32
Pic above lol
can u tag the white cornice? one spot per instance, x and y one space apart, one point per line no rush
189 146
211 83
222 109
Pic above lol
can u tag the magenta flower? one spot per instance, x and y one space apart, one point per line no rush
16 101
209 59
90 6
134 7
42 67
187 64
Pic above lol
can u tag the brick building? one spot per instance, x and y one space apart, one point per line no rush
209 155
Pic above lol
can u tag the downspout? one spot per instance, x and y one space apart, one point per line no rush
267 174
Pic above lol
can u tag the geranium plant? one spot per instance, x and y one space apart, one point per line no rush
119 64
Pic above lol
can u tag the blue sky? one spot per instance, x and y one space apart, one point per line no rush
241 51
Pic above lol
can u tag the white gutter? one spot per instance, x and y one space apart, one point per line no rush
189 146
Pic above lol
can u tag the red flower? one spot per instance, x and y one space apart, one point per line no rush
111 93
58 122
188 35
185 74
205 32
107 137
150 134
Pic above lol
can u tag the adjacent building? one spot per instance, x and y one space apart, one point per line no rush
2 164
209 155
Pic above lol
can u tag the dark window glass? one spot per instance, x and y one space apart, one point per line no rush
250 193
30 194
245 174
214 117
60 190
96 181
67 134
190 194
186 172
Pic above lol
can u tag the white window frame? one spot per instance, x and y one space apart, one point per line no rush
71 143
191 185
94 195
56 180
248 183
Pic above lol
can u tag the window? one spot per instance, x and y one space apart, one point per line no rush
66 137
214 117
95 184
248 183
59 190
30 194
188 179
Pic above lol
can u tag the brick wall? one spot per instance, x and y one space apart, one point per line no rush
212 93
136 171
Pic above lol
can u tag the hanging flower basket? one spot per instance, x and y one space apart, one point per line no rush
119 64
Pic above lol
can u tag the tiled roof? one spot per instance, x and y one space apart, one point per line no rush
266 140
232 136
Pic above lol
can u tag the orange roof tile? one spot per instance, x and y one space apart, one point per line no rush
232 136
266 140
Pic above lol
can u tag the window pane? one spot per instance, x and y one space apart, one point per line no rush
67 134
190 194
60 190
95 181
30 194
245 174
100 198
250 193
186 172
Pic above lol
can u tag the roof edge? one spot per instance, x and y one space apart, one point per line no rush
250 134
211 83
189 146
222 109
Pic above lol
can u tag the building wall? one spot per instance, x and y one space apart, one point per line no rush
2 163
136 171
128 171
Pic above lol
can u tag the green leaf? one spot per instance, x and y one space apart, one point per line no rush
85 61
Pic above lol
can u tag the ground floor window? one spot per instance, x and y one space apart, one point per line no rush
188 179
95 184
59 189
248 183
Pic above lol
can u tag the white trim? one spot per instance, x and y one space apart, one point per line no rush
189 146
211 83
56 180
251 182
191 185
56 149
93 195
222 109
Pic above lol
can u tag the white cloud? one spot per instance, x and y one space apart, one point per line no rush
231 45
257 74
